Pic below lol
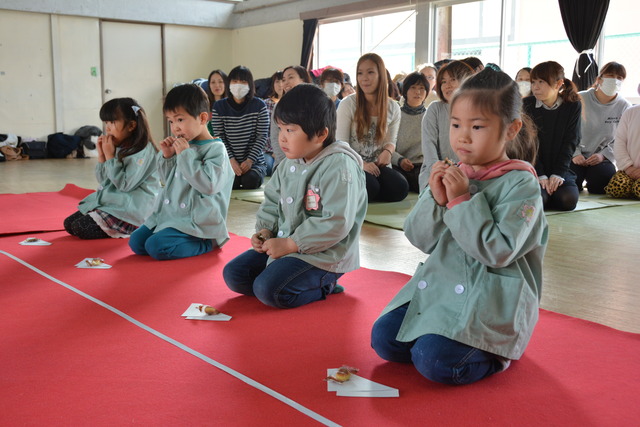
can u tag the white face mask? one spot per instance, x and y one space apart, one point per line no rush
239 90
331 89
610 86
524 87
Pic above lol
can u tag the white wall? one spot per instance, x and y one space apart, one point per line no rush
265 49
26 74
46 81
193 52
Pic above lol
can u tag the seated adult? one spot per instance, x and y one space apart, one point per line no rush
407 158
602 108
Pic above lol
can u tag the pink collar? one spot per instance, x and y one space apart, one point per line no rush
497 170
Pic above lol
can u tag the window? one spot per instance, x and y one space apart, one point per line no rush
620 41
533 33
391 35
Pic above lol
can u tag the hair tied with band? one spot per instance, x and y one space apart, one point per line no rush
135 109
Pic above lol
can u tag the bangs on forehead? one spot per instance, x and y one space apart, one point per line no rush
111 113
484 100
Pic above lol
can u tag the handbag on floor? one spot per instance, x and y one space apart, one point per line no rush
60 145
34 149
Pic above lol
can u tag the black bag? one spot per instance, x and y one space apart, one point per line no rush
60 145
34 149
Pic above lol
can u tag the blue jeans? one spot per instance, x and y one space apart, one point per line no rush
287 282
167 244
437 358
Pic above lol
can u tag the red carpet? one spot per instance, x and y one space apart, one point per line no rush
31 212
68 361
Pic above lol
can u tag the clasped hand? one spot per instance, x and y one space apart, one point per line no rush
551 184
171 146
106 148
263 242
447 182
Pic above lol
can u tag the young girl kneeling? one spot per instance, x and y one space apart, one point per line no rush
308 226
126 171
472 305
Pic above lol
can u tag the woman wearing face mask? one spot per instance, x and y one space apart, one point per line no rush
602 108
242 122
292 76
331 82
523 79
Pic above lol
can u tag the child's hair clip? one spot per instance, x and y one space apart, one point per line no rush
135 109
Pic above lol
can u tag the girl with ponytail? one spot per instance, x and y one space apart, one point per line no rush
556 111
126 173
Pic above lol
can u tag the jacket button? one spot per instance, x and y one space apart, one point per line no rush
459 289
166 201
422 284
182 205
280 233
289 200
292 168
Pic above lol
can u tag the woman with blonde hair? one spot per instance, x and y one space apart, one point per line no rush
369 120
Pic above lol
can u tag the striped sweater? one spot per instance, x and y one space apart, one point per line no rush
243 128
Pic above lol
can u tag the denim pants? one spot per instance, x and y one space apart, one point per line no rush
437 358
168 243
286 282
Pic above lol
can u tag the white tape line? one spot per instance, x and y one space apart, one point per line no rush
238 375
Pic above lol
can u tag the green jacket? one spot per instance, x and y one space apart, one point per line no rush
127 188
482 280
196 191
320 205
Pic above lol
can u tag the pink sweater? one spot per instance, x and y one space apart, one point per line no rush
626 148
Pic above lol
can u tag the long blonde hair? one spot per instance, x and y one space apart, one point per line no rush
361 116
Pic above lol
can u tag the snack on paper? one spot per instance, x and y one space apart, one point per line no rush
342 374
94 262
207 309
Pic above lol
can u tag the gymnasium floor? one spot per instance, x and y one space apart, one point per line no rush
591 266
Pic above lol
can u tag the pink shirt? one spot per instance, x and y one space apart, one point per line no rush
626 148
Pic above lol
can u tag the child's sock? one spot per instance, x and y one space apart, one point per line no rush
337 289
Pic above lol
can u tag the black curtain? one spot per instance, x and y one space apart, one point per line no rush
308 34
583 21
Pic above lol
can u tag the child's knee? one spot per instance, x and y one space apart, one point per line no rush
270 292
136 243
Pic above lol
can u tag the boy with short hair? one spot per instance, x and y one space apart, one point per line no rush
308 226
190 216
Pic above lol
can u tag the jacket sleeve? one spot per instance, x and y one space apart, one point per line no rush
268 214
132 171
496 235
207 175
425 223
